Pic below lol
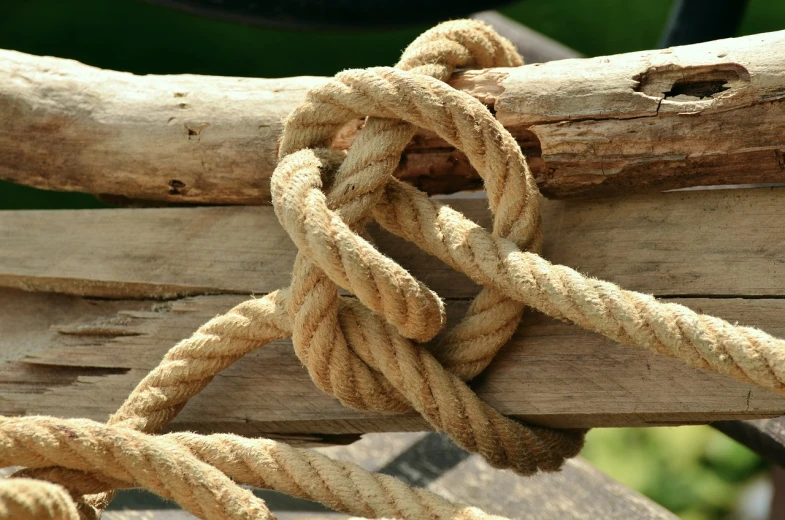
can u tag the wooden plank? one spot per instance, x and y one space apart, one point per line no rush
719 243
578 492
714 243
172 252
550 373
81 357
697 115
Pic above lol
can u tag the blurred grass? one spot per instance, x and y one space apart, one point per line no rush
694 471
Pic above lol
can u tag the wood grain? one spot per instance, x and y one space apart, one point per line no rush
551 373
716 243
719 252
704 114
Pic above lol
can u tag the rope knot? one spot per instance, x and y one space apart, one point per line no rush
361 351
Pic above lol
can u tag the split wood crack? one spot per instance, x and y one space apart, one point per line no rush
363 350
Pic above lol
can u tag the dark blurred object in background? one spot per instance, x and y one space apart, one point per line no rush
691 21
333 14
695 21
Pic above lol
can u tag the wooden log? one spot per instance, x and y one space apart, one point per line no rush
70 350
704 114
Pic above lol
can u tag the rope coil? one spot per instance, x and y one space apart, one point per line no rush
363 350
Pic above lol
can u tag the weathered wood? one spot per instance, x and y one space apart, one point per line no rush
698 115
63 351
705 243
578 492
551 373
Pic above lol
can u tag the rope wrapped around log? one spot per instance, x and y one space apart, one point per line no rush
368 351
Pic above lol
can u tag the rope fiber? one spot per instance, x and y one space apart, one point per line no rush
369 350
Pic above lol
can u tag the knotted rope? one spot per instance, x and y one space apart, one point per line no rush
361 350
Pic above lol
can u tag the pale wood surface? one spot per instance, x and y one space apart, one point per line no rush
578 492
704 114
701 243
716 251
550 373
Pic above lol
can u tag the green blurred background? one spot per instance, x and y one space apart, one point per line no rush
694 471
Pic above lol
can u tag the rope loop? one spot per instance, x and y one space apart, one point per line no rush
323 198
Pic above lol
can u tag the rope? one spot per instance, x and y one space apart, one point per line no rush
195 470
28 498
362 350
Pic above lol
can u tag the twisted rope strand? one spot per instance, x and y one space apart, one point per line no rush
155 463
321 225
188 367
442 399
110 453
628 317
437 53
22 498
468 349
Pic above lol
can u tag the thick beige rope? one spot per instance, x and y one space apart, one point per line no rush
22 498
129 459
123 458
191 365
490 259
361 350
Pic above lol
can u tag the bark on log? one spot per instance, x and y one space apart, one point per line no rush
704 114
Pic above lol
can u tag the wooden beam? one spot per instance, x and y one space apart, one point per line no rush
63 351
550 373
664 244
698 115
577 492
